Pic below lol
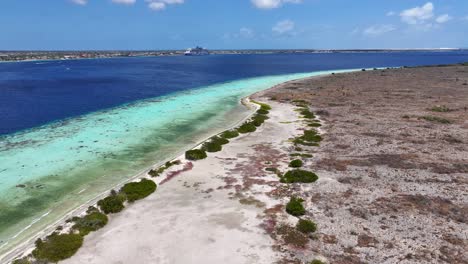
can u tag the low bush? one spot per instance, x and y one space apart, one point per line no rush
297 163
138 190
314 124
301 176
247 127
263 112
90 222
195 154
316 261
55 247
306 113
441 109
112 204
437 119
306 226
258 120
311 136
219 140
160 170
21 261
262 105
230 134
211 146
295 207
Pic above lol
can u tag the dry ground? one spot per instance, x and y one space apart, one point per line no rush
393 165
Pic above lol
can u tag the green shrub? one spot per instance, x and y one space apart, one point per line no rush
211 147
160 170
219 140
21 261
258 120
441 109
301 176
306 113
294 207
57 247
306 226
314 124
247 128
316 261
437 119
230 134
311 136
138 190
297 163
263 112
90 222
112 204
262 105
195 154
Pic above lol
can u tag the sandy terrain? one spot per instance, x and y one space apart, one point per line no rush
206 212
393 182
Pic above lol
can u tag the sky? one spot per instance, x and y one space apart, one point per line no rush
231 24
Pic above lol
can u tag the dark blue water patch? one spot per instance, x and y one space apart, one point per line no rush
36 93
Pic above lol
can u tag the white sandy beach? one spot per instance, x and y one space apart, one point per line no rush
212 213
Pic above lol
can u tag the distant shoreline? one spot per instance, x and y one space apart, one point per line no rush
39 56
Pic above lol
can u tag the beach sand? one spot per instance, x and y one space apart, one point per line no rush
205 212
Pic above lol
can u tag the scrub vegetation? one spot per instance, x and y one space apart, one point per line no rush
297 163
299 176
57 247
134 191
160 170
195 154
306 226
294 207
113 203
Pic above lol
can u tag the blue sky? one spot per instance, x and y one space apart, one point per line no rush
232 24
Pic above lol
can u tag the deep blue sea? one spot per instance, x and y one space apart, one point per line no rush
36 93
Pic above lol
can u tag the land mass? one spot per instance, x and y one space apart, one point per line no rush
96 54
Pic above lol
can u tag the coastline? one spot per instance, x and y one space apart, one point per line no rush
27 246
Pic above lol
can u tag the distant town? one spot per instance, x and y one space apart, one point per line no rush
71 55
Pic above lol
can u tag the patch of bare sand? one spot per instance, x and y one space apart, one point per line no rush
221 210
393 164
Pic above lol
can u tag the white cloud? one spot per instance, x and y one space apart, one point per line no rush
270 4
443 18
418 15
390 13
158 5
284 26
377 30
80 2
124 2
246 33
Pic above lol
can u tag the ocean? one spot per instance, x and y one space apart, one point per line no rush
70 130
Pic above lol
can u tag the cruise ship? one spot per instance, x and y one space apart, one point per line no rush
197 51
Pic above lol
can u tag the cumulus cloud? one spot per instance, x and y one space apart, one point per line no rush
124 2
244 32
158 5
418 15
443 18
270 4
390 13
377 30
80 2
283 27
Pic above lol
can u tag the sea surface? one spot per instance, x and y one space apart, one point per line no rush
70 130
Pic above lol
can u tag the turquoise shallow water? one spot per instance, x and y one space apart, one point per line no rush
47 171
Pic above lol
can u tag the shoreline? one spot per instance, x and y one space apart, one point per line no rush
27 246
